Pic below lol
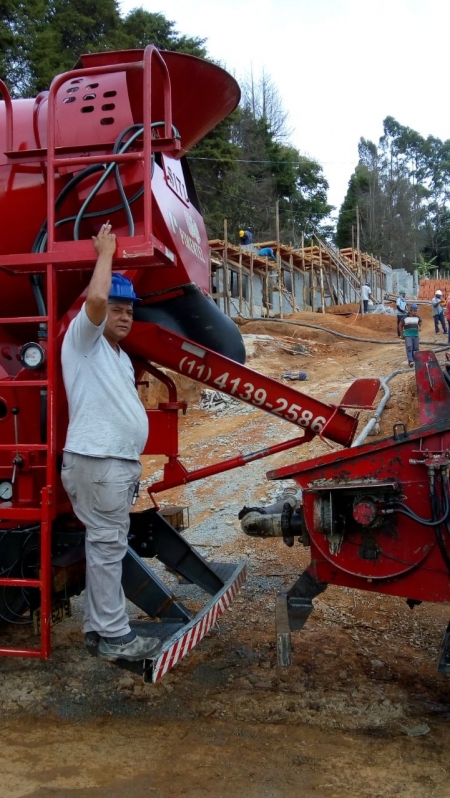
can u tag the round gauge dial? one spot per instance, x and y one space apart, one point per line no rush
6 491
32 356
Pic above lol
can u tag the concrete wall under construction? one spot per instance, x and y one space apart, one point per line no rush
244 284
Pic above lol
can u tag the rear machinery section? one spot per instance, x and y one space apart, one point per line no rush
108 141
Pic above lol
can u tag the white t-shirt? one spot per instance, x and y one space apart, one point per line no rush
366 292
106 416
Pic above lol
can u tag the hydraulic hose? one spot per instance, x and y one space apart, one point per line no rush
438 532
334 332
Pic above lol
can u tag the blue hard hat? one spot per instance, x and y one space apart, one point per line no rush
122 288
414 307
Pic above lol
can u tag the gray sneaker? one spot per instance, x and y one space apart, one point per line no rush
139 648
91 639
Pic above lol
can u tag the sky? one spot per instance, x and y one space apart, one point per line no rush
340 66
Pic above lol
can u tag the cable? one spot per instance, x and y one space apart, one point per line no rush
119 148
61 198
326 329
408 512
8 571
439 535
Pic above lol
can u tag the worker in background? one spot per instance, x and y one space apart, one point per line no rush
245 237
402 310
437 310
410 328
108 429
448 317
366 294
267 252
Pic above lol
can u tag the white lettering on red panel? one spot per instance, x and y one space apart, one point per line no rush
175 179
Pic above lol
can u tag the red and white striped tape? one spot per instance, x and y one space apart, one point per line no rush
179 648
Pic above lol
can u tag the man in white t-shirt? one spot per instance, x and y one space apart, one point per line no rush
366 294
402 310
108 429
437 311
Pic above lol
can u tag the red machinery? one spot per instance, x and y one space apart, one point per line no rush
108 141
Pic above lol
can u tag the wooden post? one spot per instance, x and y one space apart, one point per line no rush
358 252
322 289
381 281
304 271
279 272
225 269
240 283
251 285
291 268
338 275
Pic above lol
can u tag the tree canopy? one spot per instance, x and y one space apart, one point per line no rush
242 168
245 166
401 187
41 38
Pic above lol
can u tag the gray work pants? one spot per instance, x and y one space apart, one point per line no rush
101 491
412 345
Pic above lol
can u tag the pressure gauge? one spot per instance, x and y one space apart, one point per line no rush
6 491
32 356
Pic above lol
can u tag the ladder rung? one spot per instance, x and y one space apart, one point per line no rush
24 319
21 652
30 447
20 513
6 581
23 383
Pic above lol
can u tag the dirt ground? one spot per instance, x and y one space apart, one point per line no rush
362 711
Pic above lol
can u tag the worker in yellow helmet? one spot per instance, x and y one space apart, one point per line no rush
245 237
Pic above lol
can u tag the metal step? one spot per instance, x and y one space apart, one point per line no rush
178 638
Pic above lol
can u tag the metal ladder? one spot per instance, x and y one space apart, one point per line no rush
60 255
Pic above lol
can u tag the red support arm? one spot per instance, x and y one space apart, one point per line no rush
154 343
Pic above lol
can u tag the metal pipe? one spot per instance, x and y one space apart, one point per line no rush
266 522
378 412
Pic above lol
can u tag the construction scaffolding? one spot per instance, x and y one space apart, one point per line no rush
243 283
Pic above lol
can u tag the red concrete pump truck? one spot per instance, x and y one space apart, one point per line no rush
108 141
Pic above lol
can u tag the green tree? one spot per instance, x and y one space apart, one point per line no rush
42 38
18 24
246 171
142 28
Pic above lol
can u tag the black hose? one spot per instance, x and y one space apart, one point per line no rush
408 512
63 194
119 148
334 332
438 532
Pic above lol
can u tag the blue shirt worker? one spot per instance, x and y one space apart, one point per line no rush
108 429
437 311
402 310
410 328
366 294
267 252
245 237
